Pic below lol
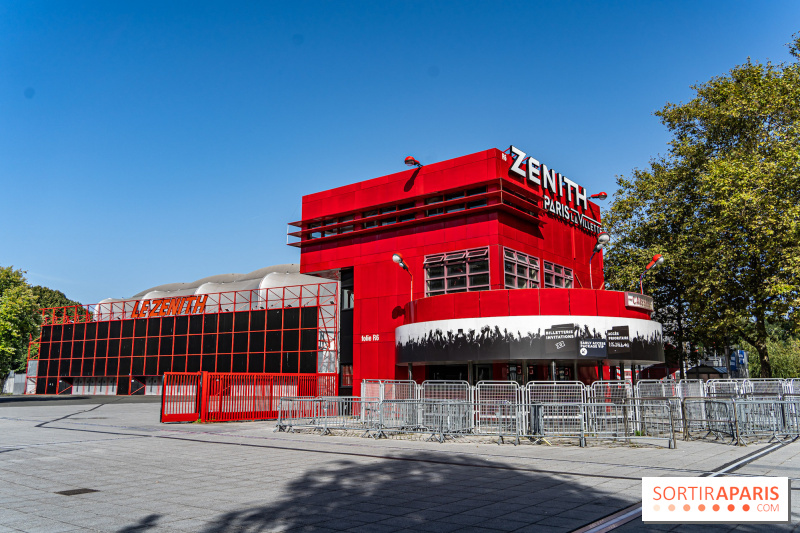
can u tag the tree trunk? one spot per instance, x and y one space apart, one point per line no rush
761 346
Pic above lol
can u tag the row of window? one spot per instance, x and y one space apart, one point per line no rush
400 216
468 270
243 321
255 341
289 362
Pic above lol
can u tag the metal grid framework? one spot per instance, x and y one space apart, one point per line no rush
371 388
121 347
766 387
495 407
610 391
691 388
726 387
654 388
446 390
546 410
554 391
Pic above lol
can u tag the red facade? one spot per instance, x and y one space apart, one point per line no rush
341 229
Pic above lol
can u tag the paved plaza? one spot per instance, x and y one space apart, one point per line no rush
128 473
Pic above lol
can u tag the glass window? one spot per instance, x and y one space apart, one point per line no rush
521 270
466 270
371 223
557 276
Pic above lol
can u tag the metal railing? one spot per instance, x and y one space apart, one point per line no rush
737 411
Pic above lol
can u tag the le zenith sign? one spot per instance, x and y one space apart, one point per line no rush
557 186
188 305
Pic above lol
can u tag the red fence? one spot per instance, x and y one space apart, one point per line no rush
225 397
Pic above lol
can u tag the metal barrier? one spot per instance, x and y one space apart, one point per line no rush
224 397
775 418
235 397
180 401
691 388
445 390
495 413
726 388
760 387
656 388
610 391
709 416
555 408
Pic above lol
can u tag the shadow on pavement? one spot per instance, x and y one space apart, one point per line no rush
148 522
421 492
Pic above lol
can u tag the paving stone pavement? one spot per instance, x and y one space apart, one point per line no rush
245 477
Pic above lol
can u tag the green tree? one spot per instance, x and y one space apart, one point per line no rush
784 355
47 298
19 319
724 202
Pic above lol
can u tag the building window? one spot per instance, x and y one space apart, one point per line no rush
521 270
371 223
315 234
466 270
347 376
557 276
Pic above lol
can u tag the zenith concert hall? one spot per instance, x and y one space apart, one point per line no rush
483 267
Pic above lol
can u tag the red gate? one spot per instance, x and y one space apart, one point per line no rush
225 397
180 398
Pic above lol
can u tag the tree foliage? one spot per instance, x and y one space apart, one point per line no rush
19 319
47 298
722 207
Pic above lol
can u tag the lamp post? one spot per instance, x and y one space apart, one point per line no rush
410 161
602 239
657 260
397 258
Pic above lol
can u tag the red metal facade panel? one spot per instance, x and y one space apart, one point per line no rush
554 301
523 302
494 303
583 302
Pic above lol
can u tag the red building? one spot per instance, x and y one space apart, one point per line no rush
476 268
498 282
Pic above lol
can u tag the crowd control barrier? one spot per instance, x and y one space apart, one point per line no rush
226 397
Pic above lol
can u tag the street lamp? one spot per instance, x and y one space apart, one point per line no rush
410 161
657 260
397 258
599 196
602 239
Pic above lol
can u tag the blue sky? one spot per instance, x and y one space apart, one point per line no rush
151 142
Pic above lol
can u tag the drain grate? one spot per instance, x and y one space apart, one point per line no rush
75 492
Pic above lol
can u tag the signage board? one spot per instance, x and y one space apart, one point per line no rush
639 301
186 305
560 339
619 340
561 197
595 348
